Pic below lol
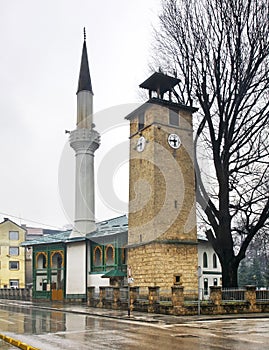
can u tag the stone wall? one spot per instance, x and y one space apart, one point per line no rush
178 305
16 293
159 264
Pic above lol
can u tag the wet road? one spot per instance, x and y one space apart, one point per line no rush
64 330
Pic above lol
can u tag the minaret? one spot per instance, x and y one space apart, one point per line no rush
85 141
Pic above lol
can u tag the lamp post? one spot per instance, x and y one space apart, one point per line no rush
129 276
199 274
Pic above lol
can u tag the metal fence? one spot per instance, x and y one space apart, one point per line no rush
262 294
124 293
165 295
191 296
233 294
109 293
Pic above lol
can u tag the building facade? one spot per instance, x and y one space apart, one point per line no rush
12 255
106 252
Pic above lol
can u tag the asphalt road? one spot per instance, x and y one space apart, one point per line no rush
52 329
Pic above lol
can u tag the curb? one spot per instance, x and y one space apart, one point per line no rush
17 343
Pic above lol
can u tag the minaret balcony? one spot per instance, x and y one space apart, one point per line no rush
84 140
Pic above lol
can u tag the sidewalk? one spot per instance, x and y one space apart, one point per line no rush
135 316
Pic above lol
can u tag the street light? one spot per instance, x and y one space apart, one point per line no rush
199 274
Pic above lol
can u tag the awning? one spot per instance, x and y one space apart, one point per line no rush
114 273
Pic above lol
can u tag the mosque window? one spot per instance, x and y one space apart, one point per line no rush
57 259
205 263
41 260
215 263
110 255
97 256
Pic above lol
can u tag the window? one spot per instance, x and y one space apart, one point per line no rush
13 283
141 121
13 235
109 255
97 256
57 259
205 264
13 251
41 260
215 282
14 265
173 118
215 263
205 286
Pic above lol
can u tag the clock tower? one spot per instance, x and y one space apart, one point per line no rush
162 235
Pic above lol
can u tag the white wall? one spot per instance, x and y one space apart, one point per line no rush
76 268
210 273
97 281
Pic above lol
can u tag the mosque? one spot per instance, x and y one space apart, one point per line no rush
157 244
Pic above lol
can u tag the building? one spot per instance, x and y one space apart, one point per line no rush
33 233
12 255
160 234
210 266
106 253
162 219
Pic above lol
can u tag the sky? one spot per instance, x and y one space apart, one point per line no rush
41 45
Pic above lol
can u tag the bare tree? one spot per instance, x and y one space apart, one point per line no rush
220 51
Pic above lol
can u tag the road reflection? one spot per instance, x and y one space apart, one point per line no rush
22 320
51 329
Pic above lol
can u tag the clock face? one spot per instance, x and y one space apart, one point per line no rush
141 144
174 141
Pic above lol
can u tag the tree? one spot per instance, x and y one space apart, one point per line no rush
254 269
220 51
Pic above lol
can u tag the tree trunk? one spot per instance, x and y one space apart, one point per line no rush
229 273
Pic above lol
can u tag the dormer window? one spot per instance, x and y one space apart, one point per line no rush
141 121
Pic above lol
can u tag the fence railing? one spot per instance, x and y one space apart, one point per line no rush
233 294
124 293
262 294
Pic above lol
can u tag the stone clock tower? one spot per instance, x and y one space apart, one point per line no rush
162 236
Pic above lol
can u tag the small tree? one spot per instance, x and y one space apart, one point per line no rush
220 51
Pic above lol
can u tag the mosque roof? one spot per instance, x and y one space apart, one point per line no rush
104 228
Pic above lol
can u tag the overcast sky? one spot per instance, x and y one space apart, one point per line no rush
41 44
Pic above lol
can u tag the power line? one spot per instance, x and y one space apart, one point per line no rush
35 222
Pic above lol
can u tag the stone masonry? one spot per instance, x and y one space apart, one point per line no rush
162 223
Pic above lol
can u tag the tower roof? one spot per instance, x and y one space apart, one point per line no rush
84 81
159 82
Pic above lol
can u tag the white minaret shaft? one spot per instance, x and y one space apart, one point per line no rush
84 140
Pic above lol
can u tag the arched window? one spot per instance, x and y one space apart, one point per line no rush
56 259
41 260
97 256
205 264
215 263
110 255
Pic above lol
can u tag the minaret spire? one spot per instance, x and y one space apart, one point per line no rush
84 32
84 81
